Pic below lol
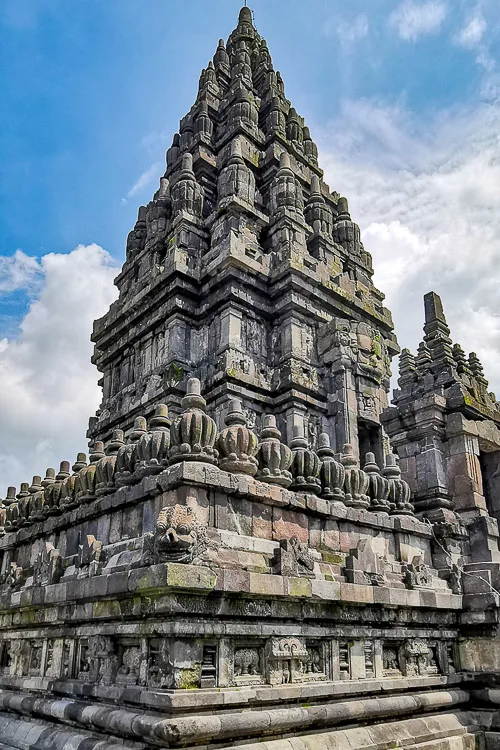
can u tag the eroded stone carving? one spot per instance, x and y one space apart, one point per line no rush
178 537
293 558
48 567
364 567
274 457
417 574
193 434
237 445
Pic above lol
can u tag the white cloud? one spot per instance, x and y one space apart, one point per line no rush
48 387
426 196
19 271
145 180
412 20
348 32
472 33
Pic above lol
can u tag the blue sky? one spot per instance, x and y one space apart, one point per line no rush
94 89
402 97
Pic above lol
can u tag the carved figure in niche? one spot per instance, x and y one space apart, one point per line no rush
286 658
417 574
128 671
48 566
158 669
97 660
363 566
315 659
246 662
178 537
20 652
293 558
417 657
91 556
390 661
15 576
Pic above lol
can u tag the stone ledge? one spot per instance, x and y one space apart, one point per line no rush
183 731
175 577
191 473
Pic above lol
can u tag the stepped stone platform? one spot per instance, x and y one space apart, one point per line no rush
260 551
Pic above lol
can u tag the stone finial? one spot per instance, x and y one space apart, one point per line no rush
274 457
221 58
10 497
305 463
276 121
407 369
64 471
317 214
204 125
332 473
237 444
378 485
345 231
173 152
86 489
476 369
186 193
285 191
310 148
105 467
399 490
437 333
36 485
193 434
126 456
12 517
23 491
236 179
294 127
68 497
356 482
151 455
245 16
50 478
460 359
423 360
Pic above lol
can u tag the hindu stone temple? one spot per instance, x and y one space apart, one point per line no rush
259 550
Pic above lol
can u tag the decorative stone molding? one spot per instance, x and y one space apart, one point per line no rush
306 465
293 559
153 446
332 472
237 445
193 434
274 457
356 482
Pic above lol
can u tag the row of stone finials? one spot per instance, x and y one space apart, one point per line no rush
193 437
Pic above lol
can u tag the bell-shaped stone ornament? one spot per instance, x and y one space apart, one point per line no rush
356 481
127 455
332 472
23 499
274 457
10 497
193 434
4 505
305 464
12 522
399 490
52 491
69 490
105 467
152 449
36 500
237 445
86 484
378 486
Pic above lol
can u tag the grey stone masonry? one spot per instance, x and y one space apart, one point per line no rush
258 551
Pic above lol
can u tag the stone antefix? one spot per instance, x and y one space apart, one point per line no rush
259 550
